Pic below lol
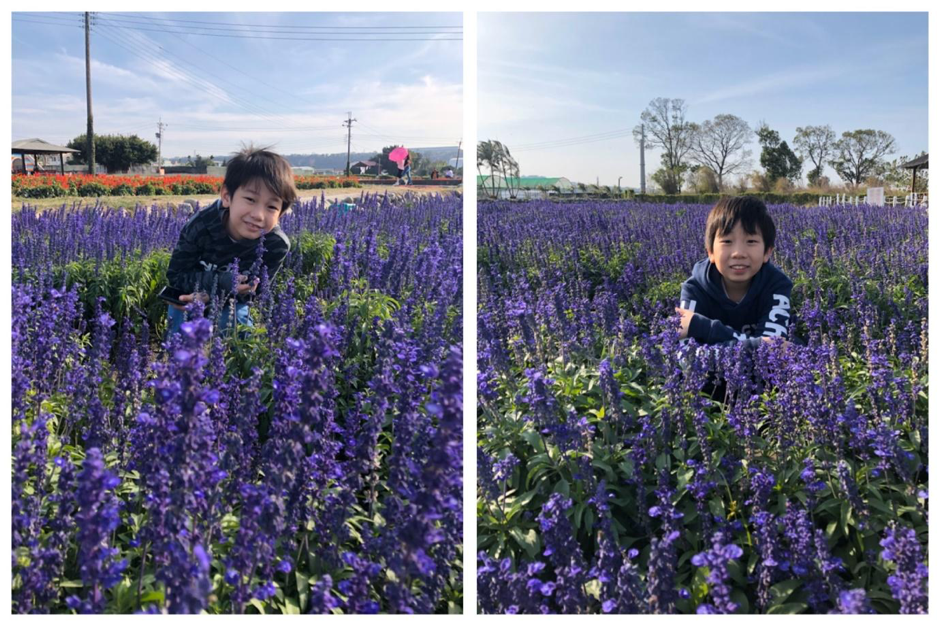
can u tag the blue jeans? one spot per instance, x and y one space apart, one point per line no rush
176 317
407 174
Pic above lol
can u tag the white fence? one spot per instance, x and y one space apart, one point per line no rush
910 200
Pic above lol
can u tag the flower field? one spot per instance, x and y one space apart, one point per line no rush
609 483
311 465
49 185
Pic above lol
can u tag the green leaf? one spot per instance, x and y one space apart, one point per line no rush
303 588
528 541
290 607
533 439
738 597
790 608
627 467
563 487
717 507
152 596
783 590
71 583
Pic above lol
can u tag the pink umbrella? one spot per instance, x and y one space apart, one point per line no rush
398 154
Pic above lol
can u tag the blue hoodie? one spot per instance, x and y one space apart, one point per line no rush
764 311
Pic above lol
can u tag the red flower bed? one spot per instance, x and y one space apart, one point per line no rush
53 185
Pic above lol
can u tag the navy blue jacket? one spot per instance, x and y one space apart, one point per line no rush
205 251
764 311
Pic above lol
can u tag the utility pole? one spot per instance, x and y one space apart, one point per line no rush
90 133
160 127
348 125
642 158
457 162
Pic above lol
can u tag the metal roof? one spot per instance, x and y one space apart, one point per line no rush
38 146
920 161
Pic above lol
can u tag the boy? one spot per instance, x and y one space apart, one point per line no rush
736 294
258 188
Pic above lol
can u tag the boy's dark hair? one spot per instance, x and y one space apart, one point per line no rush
270 167
750 211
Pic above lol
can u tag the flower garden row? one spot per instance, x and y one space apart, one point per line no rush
311 465
608 482
56 185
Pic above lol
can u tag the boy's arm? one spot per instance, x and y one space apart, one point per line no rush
702 328
773 322
775 318
186 256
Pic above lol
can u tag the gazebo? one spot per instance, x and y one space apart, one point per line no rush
36 146
918 163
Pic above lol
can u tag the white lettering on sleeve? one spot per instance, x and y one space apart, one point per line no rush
690 305
780 309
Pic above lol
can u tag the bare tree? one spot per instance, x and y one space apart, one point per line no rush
719 145
814 143
665 127
859 154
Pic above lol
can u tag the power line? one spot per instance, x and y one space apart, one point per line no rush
258 129
113 24
396 136
76 23
290 29
229 65
167 19
183 74
573 141
266 113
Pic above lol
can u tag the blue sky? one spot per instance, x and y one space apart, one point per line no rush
214 92
544 77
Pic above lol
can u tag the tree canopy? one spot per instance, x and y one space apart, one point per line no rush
776 157
116 152
859 154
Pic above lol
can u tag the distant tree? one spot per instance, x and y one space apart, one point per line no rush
666 128
669 179
776 157
385 163
202 161
719 145
898 177
496 157
859 153
116 152
419 162
702 179
814 143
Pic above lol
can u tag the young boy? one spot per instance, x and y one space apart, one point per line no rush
258 188
736 294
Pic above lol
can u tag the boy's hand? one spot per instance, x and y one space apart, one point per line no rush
191 297
243 286
785 343
686 319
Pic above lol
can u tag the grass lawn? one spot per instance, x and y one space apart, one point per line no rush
129 202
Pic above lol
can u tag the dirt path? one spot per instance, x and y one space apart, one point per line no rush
129 202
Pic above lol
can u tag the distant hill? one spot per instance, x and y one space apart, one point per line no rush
338 161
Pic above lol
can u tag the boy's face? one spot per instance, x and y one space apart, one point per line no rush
739 255
253 210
